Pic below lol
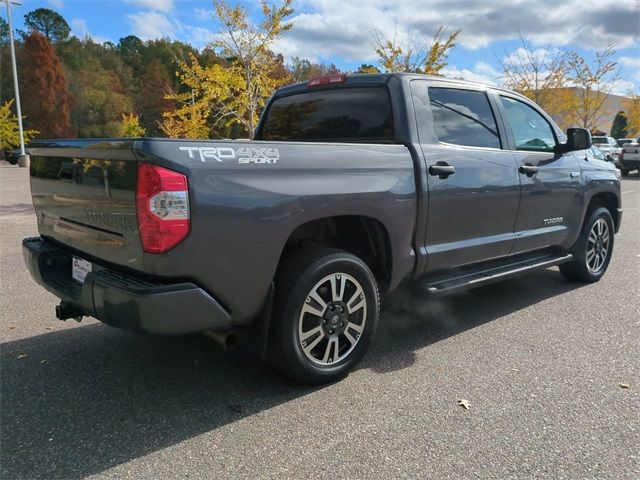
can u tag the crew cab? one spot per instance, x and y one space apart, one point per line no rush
352 186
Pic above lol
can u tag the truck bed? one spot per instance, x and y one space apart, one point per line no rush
245 198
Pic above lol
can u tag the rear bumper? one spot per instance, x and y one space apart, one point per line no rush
124 301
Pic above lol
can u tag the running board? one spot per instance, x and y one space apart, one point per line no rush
490 275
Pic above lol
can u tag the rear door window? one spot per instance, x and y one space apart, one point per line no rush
463 117
357 114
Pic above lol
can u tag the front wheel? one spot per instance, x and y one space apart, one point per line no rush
326 311
592 251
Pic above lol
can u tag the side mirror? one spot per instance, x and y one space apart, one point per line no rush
577 139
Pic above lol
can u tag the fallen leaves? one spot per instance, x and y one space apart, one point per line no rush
464 403
22 355
624 385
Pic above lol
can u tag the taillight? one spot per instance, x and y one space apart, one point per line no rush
327 80
621 156
162 206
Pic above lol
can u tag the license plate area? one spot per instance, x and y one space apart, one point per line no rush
79 269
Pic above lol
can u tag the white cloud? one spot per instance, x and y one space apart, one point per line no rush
630 61
203 13
79 28
481 72
155 5
59 4
327 28
152 25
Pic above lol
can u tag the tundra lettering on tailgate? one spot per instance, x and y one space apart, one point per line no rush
244 155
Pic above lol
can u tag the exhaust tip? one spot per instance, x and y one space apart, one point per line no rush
226 339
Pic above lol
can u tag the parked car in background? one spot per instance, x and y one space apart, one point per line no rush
623 141
594 153
608 146
630 158
10 155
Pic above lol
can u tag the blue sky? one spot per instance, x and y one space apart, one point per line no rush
339 31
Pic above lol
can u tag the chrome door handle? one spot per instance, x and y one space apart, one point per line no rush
528 170
442 170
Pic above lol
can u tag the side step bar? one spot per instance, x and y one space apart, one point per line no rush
490 275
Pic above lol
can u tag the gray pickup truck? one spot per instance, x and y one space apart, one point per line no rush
352 186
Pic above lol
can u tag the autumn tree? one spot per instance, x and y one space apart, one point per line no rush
49 23
47 105
130 126
632 106
593 82
9 133
188 121
302 69
366 68
619 126
237 91
150 99
541 75
402 53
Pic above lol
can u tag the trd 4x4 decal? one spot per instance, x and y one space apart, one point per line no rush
243 155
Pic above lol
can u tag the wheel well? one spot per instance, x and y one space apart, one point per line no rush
362 236
607 200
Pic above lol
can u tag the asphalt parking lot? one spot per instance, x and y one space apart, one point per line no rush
541 361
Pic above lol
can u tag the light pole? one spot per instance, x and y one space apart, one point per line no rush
23 159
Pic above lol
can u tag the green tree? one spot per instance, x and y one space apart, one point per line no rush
619 126
4 32
100 103
47 102
49 23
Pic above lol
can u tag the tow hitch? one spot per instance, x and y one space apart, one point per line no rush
65 311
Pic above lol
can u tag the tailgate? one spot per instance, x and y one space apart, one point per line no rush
84 196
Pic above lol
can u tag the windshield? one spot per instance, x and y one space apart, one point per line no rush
599 140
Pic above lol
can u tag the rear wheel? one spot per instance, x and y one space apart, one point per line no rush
624 172
592 251
326 311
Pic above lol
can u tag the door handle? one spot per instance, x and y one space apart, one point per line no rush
528 170
442 170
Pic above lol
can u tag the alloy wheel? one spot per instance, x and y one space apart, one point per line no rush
598 245
332 319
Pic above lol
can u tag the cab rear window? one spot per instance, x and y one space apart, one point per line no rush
357 114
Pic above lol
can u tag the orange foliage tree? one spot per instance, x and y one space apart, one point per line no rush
47 104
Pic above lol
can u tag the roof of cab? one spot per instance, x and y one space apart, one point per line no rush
384 78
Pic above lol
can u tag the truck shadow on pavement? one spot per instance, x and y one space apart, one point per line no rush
104 397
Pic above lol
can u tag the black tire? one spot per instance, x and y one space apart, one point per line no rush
580 268
624 172
298 277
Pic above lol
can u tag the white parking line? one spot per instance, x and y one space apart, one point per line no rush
629 191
